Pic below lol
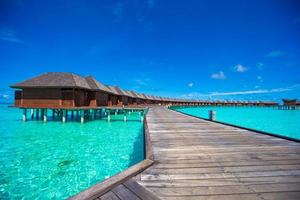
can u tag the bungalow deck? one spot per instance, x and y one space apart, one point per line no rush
197 159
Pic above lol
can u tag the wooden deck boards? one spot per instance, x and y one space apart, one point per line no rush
198 159
129 190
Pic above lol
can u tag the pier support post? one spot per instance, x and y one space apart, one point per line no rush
24 117
42 113
101 113
142 118
93 114
82 116
212 115
37 113
31 113
72 114
45 115
108 118
63 118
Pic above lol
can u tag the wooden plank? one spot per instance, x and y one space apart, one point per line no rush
227 190
266 196
225 164
218 169
222 181
109 196
199 176
139 190
124 194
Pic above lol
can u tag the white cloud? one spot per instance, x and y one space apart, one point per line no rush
142 82
219 75
196 95
9 36
190 85
240 68
275 54
260 78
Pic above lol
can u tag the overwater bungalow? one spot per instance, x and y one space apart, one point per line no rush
268 103
54 90
134 98
289 102
125 95
117 98
149 99
101 92
141 99
146 99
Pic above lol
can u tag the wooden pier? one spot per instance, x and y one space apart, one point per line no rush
198 159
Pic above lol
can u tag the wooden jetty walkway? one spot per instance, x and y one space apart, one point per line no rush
199 159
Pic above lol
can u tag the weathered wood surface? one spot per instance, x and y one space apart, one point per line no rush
198 159
119 186
128 190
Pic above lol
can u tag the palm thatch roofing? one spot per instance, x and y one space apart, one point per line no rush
114 90
54 80
134 95
122 92
154 97
148 97
140 96
157 98
289 100
96 85
144 96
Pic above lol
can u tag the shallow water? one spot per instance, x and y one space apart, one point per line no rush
268 119
55 160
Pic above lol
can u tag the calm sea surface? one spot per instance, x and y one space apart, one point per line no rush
54 160
272 120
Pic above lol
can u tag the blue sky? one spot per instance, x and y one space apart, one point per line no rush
194 49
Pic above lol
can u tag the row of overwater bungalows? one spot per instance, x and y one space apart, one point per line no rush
68 90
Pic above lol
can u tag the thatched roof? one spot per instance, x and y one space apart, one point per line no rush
114 90
289 100
144 96
140 96
54 79
148 96
133 94
123 92
96 85
152 97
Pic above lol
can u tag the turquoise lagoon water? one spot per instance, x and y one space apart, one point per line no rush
54 160
268 119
